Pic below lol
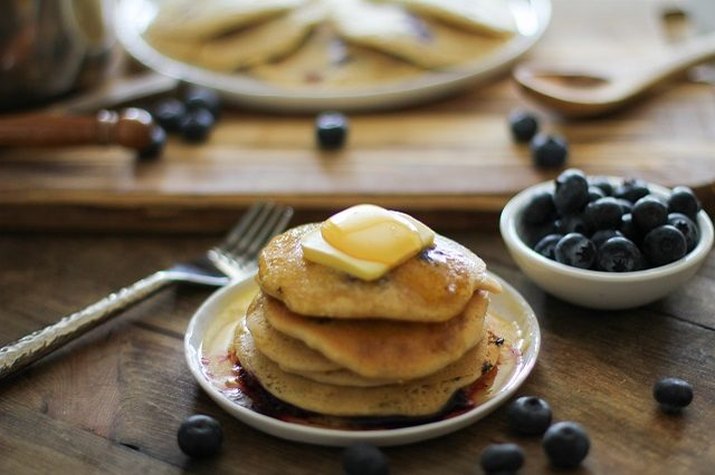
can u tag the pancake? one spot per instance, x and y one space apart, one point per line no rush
384 349
433 286
419 40
420 397
325 59
248 47
191 20
290 354
481 16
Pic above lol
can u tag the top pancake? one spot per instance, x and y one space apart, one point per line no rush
433 286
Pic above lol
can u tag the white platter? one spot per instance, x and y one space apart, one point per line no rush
532 18
213 324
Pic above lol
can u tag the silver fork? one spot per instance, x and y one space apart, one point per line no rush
233 259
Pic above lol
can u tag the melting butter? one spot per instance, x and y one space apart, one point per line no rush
366 241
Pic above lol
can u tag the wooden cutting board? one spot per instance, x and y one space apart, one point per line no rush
452 162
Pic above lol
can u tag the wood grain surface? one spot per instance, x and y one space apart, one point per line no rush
452 163
112 401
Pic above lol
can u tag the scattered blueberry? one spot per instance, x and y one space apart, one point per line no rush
648 213
683 200
529 415
202 98
547 245
571 193
154 149
604 213
619 254
664 245
523 125
672 394
603 235
575 250
566 444
502 458
365 459
686 226
331 130
549 151
169 113
197 124
632 190
540 209
200 436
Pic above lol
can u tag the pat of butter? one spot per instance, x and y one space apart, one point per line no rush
366 241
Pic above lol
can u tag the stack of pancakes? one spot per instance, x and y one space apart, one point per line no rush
327 342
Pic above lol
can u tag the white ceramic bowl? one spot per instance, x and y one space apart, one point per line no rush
596 289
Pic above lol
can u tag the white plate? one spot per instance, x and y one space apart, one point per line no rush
532 17
213 325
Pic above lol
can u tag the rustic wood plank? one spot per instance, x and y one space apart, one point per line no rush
127 383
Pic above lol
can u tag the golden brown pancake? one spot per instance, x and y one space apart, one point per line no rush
432 286
419 397
290 354
385 349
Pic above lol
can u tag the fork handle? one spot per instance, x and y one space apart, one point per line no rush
28 349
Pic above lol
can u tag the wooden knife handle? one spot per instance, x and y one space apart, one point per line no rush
132 128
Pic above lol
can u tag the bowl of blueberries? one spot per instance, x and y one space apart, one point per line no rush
606 242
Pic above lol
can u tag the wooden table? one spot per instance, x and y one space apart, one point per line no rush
112 401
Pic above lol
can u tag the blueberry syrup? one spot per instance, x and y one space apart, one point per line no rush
247 388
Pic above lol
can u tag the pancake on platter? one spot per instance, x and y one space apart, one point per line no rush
327 60
420 397
433 286
385 349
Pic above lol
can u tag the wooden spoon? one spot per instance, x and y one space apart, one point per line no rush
132 128
581 93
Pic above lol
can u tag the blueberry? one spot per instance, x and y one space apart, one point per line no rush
566 444
632 190
196 125
502 458
595 193
683 200
603 235
549 151
619 254
200 436
202 98
604 213
529 415
628 228
571 193
603 183
532 234
523 125
664 244
365 459
540 208
169 113
686 226
575 250
547 245
649 212
625 204
672 394
331 130
572 223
